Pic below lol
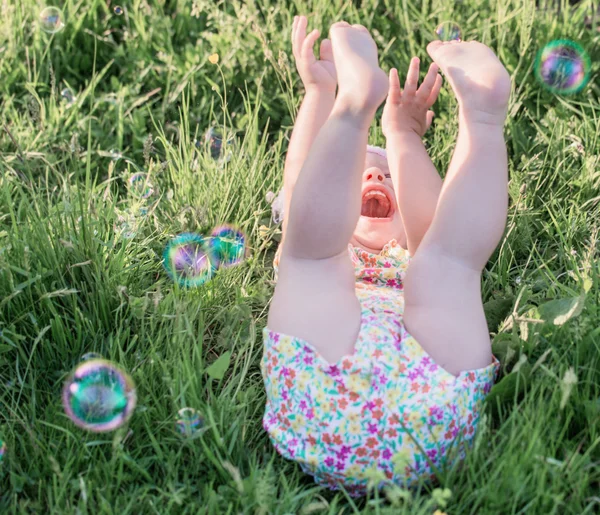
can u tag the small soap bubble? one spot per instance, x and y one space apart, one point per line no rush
52 20
115 155
99 396
118 10
140 186
68 96
187 261
563 66
227 246
189 422
2 450
448 31
214 138
91 355
277 207
127 228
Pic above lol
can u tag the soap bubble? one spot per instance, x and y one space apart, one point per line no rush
99 396
448 31
115 155
118 10
91 355
186 260
277 207
52 20
188 421
563 66
2 450
214 138
227 246
127 227
68 96
139 185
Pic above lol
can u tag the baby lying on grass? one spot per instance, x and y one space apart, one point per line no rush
377 353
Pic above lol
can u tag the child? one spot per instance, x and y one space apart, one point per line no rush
377 353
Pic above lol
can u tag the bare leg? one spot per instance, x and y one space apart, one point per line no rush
443 308
326 204
315 296
472 208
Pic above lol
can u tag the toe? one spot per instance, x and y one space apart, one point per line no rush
358 26
433 47
340 24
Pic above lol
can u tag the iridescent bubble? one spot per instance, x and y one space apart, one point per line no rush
2 450
227 246
68 96
91 355
139 185
214 138
563 66
127 228
187 261
188 421
99 396
277 207
52 20
115 155
118 10
448 31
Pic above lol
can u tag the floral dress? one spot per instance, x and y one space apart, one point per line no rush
387 411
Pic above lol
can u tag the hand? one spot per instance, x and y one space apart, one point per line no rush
316 74
408 110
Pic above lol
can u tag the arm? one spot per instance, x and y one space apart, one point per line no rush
313 114
406 118
320 82
416 182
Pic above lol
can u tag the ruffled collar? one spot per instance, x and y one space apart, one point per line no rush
391 251
391 247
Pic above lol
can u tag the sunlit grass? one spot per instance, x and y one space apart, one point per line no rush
81 270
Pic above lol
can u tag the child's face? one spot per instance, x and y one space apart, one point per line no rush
380 219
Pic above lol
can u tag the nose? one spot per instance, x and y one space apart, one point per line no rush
373 174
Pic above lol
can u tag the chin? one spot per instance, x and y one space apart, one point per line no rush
374 233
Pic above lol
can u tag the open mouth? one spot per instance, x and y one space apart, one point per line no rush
376 204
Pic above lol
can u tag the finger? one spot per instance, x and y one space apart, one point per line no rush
412 77
295 36
394 92
428 82
308 45
326 50
429 119
300 34
435 91
294 25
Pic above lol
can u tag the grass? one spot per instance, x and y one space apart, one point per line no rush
72 282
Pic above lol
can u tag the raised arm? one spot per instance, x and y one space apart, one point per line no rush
320 81
406 117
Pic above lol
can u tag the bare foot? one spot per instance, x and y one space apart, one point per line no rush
362 83
479 80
